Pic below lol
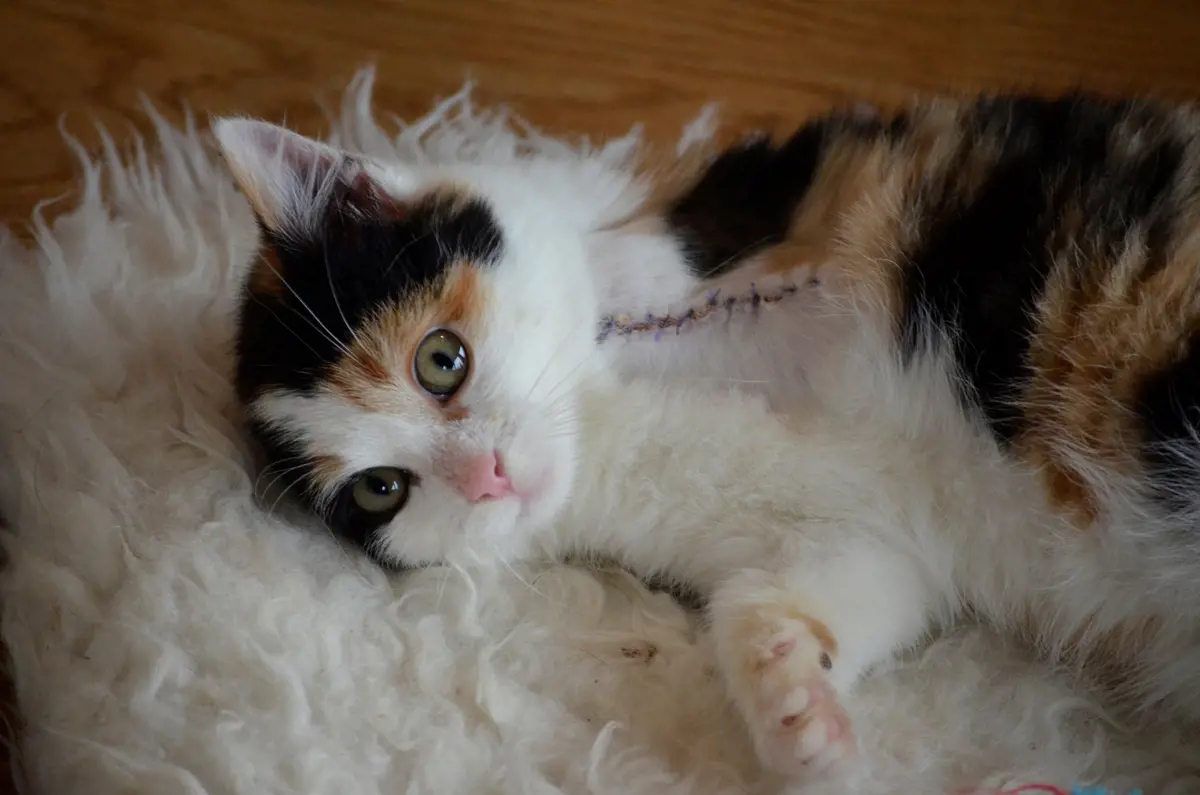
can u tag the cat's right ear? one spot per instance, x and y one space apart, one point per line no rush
293 182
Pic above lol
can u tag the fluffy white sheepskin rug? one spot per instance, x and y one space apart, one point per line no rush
170 635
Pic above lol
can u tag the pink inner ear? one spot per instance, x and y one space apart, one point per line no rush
298 154
290 179
307 159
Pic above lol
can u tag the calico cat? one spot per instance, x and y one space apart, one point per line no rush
417 356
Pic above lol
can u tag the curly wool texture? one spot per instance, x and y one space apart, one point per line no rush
171 634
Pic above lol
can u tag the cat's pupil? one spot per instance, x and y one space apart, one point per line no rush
443 361
379 486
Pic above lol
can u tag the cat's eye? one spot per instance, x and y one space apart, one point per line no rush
441 363
379 491
368 501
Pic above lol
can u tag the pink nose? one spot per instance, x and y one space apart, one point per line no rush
482 477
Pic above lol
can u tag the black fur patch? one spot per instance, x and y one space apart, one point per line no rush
982 267
337 276
745 200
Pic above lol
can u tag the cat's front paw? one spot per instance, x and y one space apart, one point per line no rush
777 665
798 724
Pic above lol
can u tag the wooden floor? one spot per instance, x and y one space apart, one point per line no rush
571 65
591 66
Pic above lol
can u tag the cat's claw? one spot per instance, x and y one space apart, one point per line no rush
796 722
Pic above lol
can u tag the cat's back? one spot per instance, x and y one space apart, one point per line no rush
1047 248
1053 251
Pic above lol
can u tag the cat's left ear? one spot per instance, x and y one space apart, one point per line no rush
294 182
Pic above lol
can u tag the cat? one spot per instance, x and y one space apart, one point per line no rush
417 357
1016 279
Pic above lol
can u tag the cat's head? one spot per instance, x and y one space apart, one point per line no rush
410 343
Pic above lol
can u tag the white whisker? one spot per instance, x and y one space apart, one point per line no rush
290 330
329 335
333 291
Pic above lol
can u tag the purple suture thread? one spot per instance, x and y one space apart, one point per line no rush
627 327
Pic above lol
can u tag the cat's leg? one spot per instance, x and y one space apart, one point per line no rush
791 642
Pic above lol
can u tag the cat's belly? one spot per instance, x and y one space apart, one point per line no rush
767 347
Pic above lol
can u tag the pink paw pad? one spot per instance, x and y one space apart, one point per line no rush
783 648
799 727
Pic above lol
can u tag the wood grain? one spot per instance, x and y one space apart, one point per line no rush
572 67
567 65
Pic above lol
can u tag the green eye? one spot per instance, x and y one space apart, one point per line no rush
381 490
441 364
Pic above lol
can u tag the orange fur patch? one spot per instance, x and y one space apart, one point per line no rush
461 298
819 630
847 227
1095 344
326 470
373 376
851 171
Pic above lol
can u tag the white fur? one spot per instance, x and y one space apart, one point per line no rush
169 635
